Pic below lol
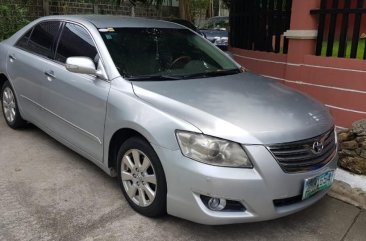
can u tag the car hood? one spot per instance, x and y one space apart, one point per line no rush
245 108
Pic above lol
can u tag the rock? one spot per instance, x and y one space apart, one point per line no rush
345 153
358 151
363 153
349 145
359 127
354 164
346 136
339 131
362 144
361 139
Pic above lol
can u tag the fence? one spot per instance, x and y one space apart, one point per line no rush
39 8
14 14
339 83
106 7
260 24
351 13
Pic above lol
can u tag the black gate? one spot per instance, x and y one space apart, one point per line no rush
334 21
260 24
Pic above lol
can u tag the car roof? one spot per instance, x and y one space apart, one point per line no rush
115 21
183 22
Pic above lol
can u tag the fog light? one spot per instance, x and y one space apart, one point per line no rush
222 205
216 204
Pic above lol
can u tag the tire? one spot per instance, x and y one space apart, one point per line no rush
10 108
143 181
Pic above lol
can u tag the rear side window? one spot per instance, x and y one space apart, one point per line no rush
75 41
23 41
43 38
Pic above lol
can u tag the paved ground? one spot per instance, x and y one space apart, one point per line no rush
48 192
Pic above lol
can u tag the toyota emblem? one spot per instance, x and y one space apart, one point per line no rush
317 147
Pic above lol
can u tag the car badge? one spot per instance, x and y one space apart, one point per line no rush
318 147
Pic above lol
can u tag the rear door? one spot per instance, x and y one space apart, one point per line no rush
76 103
27 63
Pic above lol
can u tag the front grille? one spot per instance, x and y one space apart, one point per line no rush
300 156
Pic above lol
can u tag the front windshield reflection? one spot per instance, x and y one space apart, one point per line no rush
164 52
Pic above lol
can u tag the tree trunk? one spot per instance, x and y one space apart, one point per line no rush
184 10
46 8
210 10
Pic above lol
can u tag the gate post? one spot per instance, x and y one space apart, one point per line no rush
302 36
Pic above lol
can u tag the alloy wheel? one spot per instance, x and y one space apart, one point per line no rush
9 106
138 177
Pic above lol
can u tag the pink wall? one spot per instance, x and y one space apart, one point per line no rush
337 82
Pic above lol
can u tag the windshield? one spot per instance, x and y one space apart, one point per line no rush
161 53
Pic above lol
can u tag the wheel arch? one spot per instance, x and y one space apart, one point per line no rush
118 138
3 79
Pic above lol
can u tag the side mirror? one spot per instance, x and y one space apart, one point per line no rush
81 65
85 65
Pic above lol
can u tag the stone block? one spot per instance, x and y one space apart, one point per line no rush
349 145
354 164
363 153
346 153
359 127
362 144
346 136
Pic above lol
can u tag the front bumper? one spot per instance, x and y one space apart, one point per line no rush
255 188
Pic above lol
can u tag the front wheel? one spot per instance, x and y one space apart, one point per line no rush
141 177
10 107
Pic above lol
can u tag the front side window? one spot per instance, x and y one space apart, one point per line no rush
141 53
43 38
75 41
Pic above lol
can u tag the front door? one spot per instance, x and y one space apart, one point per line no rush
76 103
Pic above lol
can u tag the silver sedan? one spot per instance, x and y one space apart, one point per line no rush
183 127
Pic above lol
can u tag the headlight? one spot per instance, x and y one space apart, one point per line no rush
211 150
221 41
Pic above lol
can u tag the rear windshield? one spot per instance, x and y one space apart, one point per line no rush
180 53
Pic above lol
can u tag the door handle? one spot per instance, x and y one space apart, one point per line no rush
12 58
50 74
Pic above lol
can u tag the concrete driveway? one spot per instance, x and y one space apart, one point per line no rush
48 192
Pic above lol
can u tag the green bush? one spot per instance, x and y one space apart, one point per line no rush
360 49
12 18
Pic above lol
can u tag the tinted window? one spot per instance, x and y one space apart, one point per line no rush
166 52
75 41
23 41
43 37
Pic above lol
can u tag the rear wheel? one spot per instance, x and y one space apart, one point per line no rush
10 107
142 178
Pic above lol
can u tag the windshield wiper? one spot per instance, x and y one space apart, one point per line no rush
219 72
153 77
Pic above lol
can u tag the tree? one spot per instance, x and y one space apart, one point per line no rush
184 9
198 9
227 3
184 12
13 17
